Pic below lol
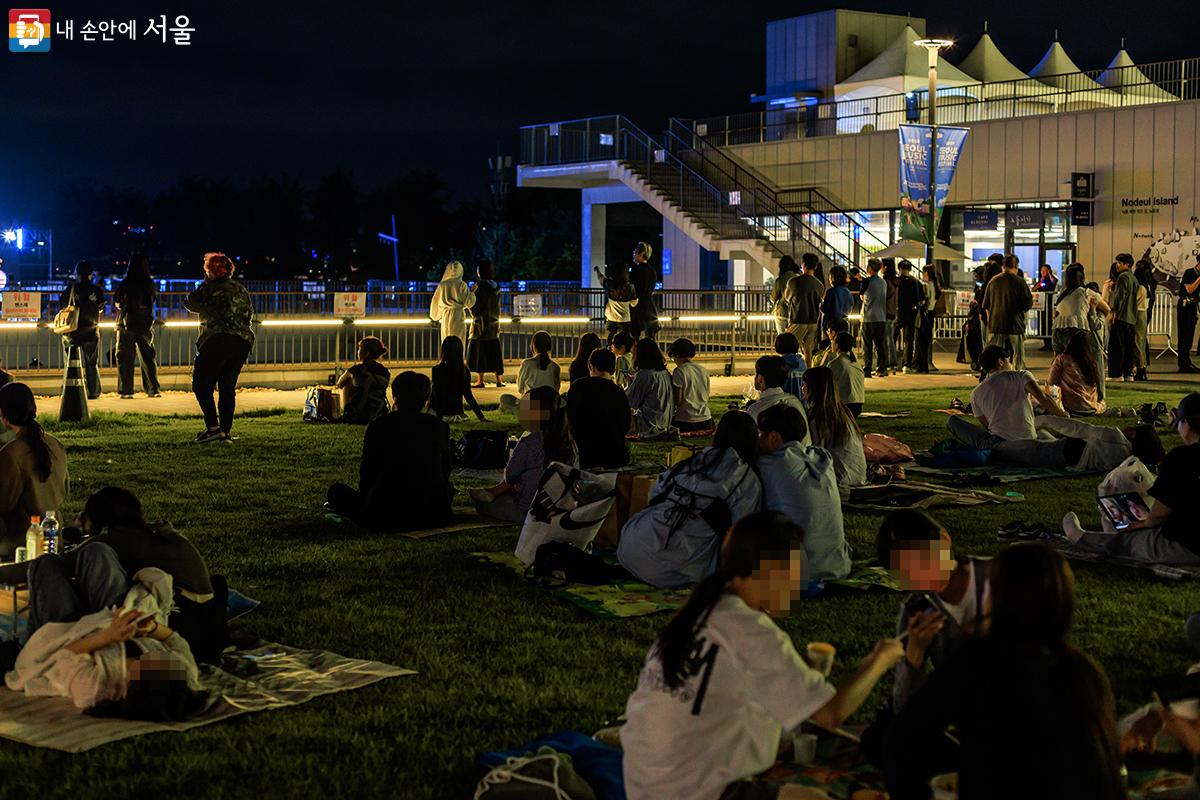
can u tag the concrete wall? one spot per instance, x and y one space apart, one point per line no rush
685 258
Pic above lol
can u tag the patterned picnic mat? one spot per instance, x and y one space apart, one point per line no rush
919 494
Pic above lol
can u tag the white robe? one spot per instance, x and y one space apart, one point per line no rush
450 303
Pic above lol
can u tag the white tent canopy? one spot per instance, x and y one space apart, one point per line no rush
1123 76
1056 69
986 64
902 67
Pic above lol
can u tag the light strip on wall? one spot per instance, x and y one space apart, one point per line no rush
709 318
182 323
320 322
374 321
18 326
551 320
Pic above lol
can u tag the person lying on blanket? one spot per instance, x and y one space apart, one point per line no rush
1171 533
1104 447
547 440
723 685
1001 403
1034 716
676 539
104 646
799 481
944 608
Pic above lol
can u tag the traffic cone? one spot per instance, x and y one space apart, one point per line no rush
74 406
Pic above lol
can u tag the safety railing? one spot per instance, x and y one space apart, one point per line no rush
1159 82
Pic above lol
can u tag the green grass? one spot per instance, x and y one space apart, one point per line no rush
500 662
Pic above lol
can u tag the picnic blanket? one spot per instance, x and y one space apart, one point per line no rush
918 494
884 414
1073 553
265 677
463 521
1000 473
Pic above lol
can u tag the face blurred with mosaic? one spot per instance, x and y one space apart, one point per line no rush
923 565
775 586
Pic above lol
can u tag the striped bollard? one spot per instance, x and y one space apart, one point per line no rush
74 406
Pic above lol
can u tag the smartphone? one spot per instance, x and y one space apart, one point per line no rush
918 604
1124 509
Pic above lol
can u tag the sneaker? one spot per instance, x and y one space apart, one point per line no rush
1008 532
155 393
207 435
126 397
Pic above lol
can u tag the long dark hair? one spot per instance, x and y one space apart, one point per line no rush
1079 349
1073 278
542 345
114 505
736 431
452 354
648 355
829 420
757 537
20 409
138 271
587 343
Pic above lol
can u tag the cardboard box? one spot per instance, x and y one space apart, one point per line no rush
633 493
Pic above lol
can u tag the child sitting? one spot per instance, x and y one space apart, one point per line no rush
851 383
538 370
770 375
364 386
832 427
546 441
788 346
689 385
622 348
404 475
798 481
452 384
650 395
723 686
676 539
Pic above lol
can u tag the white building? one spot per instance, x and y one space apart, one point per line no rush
818 167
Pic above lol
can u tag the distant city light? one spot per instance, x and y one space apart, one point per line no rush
10 236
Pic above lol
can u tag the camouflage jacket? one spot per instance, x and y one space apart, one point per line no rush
224 307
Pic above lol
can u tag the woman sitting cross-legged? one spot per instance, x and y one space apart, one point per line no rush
676 539
651 397
1033 716
547 440
452 384
723 685
540 369
103 645
1077 375
832 426
365 385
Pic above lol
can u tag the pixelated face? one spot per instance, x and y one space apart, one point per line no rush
779 579
531 414
157 667
923 566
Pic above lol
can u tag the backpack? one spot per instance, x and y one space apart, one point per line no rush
482 450
560 561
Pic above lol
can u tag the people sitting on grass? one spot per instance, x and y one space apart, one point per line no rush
579 365
832 426
1077 376
799 481
1032 714
676 539
451 384
847 374
829 331
723 685
598 415
365 385
103 645
788 346
622 347
33 468
547 440
540 369
689 389
404 475
770 375
1001 403
1170 533
650 392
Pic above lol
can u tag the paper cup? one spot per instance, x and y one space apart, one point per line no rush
804 748
945 787
820 657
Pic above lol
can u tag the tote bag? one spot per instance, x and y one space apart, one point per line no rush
66 321
570 506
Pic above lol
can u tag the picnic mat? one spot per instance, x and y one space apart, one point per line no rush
266 677
463 521
918 494
999 472
1172 572
884 414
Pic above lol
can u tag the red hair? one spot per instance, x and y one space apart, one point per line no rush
217 265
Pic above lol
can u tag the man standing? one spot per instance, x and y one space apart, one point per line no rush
803 295
874 311
1006 301
1189 296
88 299
1123 302
779 306
644 316
909 297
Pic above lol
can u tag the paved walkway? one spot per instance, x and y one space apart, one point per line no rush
952 376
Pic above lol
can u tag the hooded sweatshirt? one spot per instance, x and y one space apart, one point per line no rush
450 302
799 481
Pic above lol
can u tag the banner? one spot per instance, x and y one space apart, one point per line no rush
22 305
349 304
914 176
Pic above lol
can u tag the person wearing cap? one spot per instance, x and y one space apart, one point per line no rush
88 299
1170 534
689 388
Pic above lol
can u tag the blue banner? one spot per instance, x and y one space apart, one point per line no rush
915 148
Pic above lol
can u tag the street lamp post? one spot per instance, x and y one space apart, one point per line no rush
932 47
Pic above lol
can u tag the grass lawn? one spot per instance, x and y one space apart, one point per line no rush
500 662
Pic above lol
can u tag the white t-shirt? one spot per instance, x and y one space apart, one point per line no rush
1072 311
1002 400
725 722
531 375
773 397
692 380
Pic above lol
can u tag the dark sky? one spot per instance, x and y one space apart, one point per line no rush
381 88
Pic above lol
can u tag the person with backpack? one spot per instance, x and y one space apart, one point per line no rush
88 300
676 539
620 299
364 386
723 685
134 299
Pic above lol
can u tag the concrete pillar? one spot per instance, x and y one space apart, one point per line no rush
592 245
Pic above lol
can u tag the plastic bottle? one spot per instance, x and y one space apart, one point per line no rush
50 532
33 538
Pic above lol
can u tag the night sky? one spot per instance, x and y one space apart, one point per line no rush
382 88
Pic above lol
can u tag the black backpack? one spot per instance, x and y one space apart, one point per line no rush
560 563
482 450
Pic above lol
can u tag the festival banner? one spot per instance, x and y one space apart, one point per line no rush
914 176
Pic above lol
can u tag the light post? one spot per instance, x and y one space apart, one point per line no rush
932 47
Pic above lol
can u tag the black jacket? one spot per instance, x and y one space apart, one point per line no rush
89 299
135 305
404 475
599 416
909 294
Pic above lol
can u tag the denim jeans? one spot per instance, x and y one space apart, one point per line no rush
1024 452
89 354
99 582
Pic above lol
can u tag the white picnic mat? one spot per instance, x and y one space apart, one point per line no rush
266 677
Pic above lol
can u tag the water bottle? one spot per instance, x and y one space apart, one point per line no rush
50 532
33 538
